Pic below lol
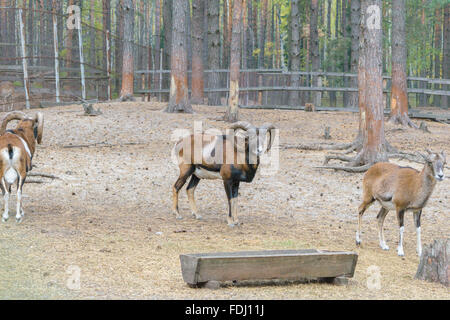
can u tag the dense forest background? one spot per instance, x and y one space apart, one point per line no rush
275 34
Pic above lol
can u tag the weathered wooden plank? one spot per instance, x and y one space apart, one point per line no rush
267 265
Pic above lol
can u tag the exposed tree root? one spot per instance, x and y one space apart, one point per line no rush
355 163
363 168
127 97
320 146
403 120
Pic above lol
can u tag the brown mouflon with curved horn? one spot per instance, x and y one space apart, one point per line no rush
233 158
400 189
17 147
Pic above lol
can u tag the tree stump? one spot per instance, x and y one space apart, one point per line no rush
434 262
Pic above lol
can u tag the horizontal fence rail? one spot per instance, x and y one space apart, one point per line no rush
273 86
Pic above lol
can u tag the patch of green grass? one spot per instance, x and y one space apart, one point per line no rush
38 85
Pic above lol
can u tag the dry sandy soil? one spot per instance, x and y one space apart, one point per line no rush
110 215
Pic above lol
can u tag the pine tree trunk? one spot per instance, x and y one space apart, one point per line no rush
446 50
235 58
250 35
332 94
188 36
371 92
198 7
262 33
314 49
345 31
3 22
106 20
118 42
92 34
127 58
214 51
30 32
167 21
354 21
179 95
296 29
157 51
437 56
399 96
434 263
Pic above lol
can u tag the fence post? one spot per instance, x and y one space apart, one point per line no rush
24 60
55 47
80 45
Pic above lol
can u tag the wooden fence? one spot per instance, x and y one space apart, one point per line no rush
272 86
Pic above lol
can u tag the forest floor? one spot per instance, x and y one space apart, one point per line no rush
109 215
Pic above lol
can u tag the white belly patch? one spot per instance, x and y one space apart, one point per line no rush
206 174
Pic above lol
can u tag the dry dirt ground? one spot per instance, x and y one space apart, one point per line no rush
109 215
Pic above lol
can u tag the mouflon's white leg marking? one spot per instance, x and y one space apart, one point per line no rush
400 251
5 215
381 216
417 215
358 239
19 210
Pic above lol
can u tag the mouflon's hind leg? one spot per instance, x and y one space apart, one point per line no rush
380 217
400 220
232 191
190 190
19 211
5 191
186 171
417 215
367 201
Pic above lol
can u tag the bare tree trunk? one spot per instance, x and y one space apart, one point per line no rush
345 26
167 18
30 27
92 33
106 21
118 42
214 51
157 57
399 95
262 33
314 49
446 49
232 112
250 35
188 36
179 95
3 22
198 8
332 94
296 30
374 148
127 59
226 18
354 21
437 55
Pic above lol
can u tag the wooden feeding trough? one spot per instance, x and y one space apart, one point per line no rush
200 268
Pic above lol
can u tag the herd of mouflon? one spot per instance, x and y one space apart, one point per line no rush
235 158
